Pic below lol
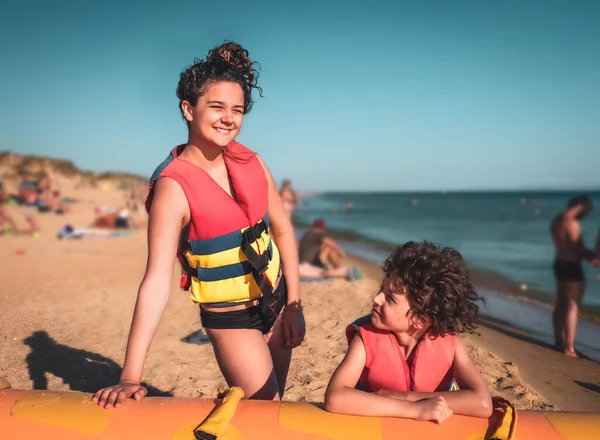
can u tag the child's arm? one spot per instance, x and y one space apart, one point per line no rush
341 396
472 398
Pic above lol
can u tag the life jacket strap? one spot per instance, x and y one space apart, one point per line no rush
258 263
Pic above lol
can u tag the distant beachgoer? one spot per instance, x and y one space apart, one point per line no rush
288 197
405 359
320 256
597 248
3 194
9 227
32 227
28 193
240 260
348 206
119 218
132 203
570 252
46 182
44 200
56 204
7 224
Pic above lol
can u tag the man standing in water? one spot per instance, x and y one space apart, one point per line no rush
570 252
598 248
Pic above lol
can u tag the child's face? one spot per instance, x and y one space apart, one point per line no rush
390 309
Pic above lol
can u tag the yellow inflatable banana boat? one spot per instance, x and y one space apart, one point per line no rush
51 415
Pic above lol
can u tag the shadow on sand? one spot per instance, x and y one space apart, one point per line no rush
589 386
81 370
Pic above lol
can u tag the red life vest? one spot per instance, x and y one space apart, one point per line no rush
231 257
387 369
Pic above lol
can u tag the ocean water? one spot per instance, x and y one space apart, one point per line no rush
502 232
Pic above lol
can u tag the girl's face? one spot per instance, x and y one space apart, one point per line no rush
218 115
391 311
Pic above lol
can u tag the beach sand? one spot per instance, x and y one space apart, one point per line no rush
66 307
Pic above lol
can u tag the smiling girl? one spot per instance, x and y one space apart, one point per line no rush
214 205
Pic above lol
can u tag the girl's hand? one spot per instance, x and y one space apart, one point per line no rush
294 327
116 394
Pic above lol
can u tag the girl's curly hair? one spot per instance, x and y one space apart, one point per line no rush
227 62
437 284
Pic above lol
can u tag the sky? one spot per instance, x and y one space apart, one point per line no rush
358 95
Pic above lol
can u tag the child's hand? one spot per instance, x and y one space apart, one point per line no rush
116 394
435 409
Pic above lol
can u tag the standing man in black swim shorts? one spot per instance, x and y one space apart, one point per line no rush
570 253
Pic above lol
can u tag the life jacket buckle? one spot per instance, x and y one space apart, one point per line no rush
262 264
252 234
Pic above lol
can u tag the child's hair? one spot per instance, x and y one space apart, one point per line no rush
227 62
437 284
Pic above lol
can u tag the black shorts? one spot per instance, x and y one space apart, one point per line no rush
260 317
317 262
568 271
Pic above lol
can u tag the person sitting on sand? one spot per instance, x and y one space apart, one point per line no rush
240 260
44 200
570 252
9 227
31 225
46 182
7 224
405 359
321 257
56 204
3 194
119 218
288 197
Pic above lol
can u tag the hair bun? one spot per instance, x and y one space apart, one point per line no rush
235 56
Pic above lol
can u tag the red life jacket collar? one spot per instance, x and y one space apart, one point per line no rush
387 368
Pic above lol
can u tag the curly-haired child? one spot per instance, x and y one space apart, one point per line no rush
404 359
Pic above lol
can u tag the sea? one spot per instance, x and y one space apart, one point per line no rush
502 234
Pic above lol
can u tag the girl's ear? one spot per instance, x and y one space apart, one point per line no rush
186 109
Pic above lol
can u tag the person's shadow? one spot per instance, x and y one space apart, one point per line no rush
82 370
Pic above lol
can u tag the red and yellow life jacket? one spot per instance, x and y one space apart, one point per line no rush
231 256
387 369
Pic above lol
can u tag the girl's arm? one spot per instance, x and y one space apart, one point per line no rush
473 397
168 211
283 234
342 396
294 327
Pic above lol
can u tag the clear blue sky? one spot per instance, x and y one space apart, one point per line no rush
359 95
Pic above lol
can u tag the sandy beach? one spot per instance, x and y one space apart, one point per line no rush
66 308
